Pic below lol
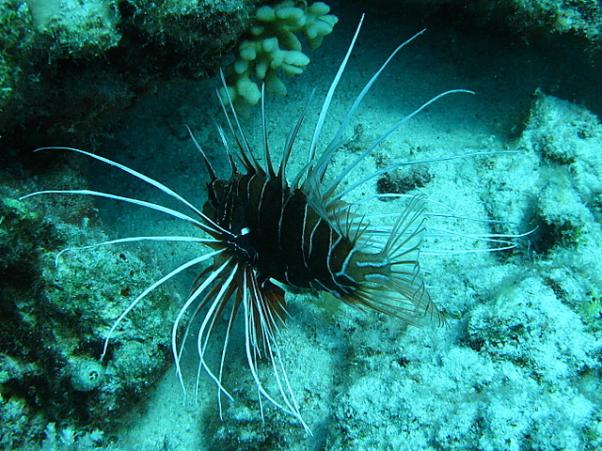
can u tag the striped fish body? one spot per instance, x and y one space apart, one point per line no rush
278 232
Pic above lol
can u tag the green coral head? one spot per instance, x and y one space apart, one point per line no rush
86 374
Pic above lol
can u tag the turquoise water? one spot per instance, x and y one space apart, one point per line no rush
516 366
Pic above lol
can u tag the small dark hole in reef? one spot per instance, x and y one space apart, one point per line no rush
161 347
403 362
89 349
476 344
547 236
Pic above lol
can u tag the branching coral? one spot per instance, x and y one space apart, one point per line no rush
273 46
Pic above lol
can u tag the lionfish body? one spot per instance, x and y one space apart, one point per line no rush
276 231
267 234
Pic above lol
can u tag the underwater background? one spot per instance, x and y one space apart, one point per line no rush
518 364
